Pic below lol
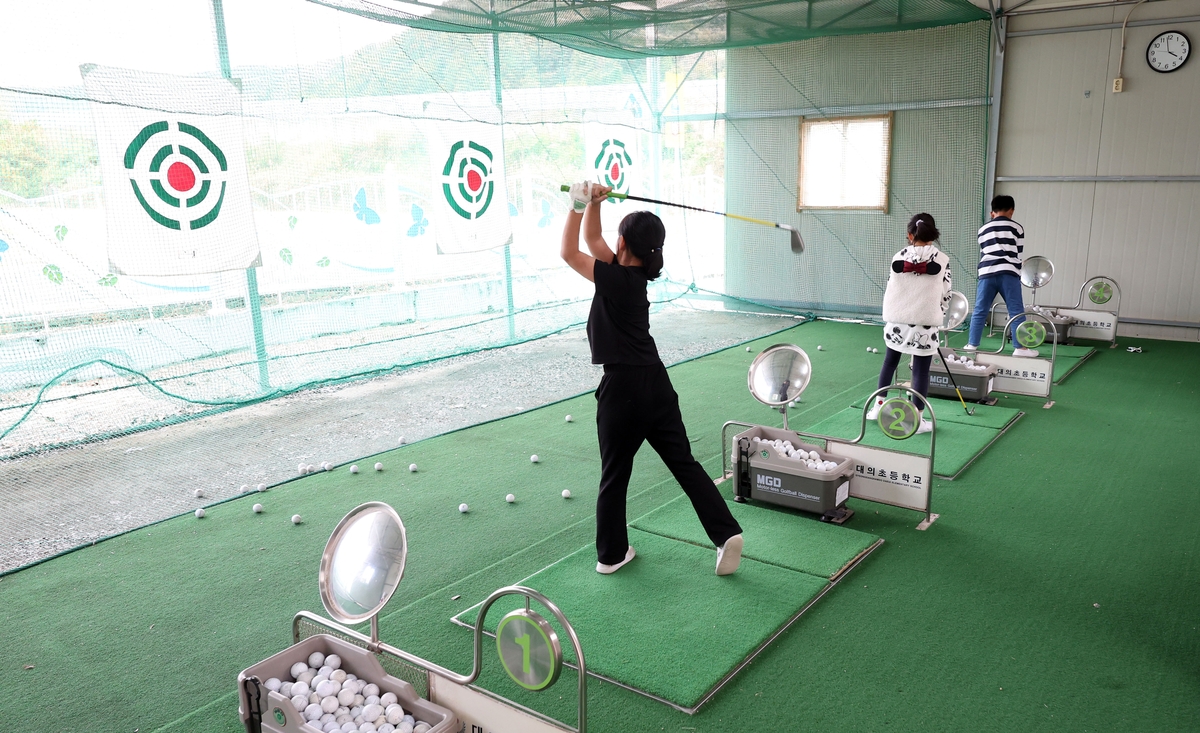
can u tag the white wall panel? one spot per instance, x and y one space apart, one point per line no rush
1146 235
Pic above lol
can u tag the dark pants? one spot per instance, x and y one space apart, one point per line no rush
636 404
920 373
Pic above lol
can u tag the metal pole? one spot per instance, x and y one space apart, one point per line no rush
498 90
260 343
998 48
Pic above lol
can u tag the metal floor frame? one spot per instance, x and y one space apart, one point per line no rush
833 581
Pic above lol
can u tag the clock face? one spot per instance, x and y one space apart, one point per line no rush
1168 51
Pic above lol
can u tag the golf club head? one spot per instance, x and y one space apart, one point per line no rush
797 240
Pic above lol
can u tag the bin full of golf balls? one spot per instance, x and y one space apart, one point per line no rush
327 685
974 380
777 467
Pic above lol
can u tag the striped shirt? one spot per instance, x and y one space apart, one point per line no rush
1000 247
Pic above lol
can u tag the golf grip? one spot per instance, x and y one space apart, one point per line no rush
614 195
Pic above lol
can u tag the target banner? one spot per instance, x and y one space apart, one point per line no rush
470 203
177 197
612 156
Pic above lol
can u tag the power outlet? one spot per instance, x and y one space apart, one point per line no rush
1118 85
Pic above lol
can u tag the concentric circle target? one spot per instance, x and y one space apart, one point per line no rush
178 174
1100 292
1031 334
612 165
468 179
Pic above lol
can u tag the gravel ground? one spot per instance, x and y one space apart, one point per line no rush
56 500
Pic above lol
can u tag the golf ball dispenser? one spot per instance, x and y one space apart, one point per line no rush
777 465
949 370
361 567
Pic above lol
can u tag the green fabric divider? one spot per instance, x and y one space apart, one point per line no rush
986 416
957 442
998 593
665 623
776 536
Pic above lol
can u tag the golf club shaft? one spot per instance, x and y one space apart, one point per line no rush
764 222
951 375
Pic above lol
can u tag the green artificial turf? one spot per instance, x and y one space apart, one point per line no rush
772 535
1057 592
996 417
958 442
665 623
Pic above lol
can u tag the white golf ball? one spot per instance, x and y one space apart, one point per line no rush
346 696
566 493
199 514
273 684
311 468
371 690
402 440
412 467
328 705
245 488
570 419
389 699
199 493
300 702
354 469
747 348
327 466
337 675
298 669
534 458
262 487
378 466
334 662
874 351
296 519
510 498
303 469
464 508
301 688
313 711
820 347
258 508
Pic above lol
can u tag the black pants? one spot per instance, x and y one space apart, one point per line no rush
636 404
920 373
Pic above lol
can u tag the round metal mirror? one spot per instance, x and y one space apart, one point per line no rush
779 374
1036 272
363 562
956 312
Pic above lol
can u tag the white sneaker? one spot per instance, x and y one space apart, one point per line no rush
924 427
1025 352
873 413
729 555
610 569
969 347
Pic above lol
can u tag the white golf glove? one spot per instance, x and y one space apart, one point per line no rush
581 196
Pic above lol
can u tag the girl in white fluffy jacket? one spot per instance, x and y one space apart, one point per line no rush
914 305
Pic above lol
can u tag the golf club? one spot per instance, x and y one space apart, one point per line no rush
797 241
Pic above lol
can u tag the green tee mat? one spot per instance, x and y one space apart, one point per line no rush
959 441
999 593
775 536
665 624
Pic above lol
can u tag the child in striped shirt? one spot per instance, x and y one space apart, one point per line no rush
1000 248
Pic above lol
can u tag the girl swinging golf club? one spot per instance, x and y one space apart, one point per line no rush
635 401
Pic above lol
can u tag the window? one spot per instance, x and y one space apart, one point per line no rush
844 163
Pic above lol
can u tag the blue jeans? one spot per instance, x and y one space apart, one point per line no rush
1009 288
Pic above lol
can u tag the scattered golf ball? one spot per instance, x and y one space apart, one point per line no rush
296 519
534 458
262 487
378 466
820 347
402 440
566 493
570 419
510 498
874 351
199 514
327 466
868 349
245 488
464 508
199 493
354 469
747 348
258 508
311 468
412 467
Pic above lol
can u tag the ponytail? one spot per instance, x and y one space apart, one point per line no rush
922 228
644 235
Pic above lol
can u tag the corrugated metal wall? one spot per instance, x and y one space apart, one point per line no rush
1060 118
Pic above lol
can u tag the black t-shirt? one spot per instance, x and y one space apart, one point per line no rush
619 324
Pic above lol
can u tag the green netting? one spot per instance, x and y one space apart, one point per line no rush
664 28
208 205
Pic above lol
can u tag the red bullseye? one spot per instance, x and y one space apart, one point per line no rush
181 177
474 180
615 173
